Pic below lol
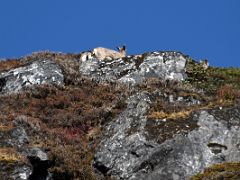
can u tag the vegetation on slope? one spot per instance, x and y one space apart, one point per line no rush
213 78
67 121
226 171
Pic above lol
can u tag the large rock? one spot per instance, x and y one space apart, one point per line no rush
127 152
121 152
31 162
41 71
40 163
135 69
20 172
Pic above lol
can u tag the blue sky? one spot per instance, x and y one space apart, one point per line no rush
206 29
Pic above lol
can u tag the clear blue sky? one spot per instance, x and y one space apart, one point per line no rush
202 29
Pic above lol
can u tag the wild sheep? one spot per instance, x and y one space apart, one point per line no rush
103 53
86 55
204 63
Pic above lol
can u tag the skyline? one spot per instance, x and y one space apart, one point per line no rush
202 30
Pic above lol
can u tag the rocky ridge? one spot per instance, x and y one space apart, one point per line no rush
158 115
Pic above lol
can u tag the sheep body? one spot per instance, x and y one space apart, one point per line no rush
104 53
86 55
204 63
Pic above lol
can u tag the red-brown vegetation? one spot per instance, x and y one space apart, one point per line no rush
62 120
228 92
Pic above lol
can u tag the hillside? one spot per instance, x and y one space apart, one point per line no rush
159 115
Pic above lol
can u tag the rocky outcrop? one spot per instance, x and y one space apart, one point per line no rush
127 153
21 161
142 122
40 163
41 71
122 151
136 69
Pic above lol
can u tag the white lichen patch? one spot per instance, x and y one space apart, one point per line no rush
23 175
38 72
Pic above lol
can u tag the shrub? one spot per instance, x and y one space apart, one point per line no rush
220 171
228 92
9 155
64 120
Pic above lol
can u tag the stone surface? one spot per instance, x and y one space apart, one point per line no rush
34 164
120 153
128 155
135 69
39 161
19 136
37 153
42 71
21 172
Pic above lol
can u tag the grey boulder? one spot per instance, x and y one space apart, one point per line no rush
135 69
41 71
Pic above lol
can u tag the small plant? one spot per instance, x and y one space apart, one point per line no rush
211 79
173 115
6 127
72 162
228 92
9 155
220 171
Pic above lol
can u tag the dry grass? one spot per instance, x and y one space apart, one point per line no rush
9 64
185 112
161 108
65 120
173 115
220 171
72 162
228 92
9 155
6 127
